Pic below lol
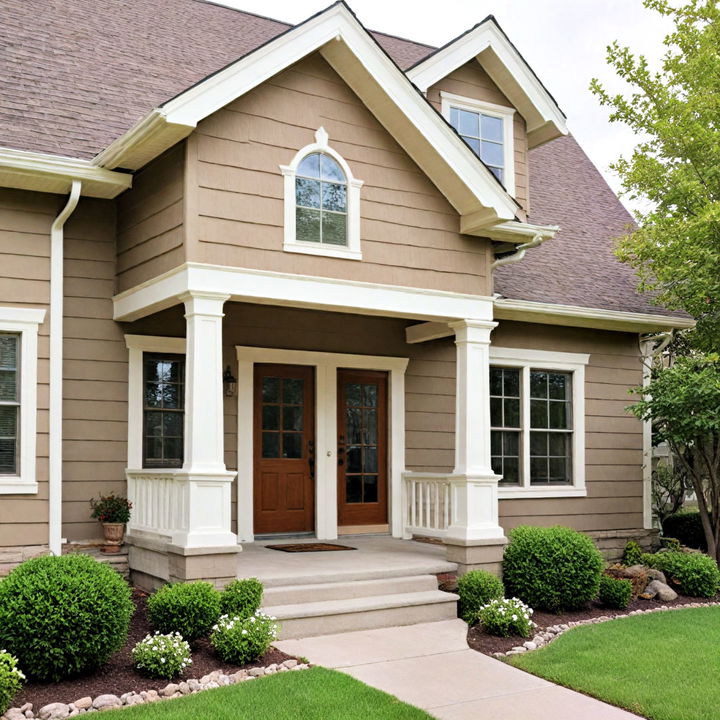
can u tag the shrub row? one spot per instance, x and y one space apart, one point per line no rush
694 574
615 592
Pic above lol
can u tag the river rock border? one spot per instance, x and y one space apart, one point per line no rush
216 679
554 631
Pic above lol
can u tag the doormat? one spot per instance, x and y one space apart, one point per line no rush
310 547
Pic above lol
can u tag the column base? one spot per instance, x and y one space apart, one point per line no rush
156 562
476 554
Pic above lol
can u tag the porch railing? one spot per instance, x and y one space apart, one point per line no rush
159 499
427 504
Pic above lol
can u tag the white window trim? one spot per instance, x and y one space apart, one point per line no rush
137 345
506 114
546 360
291 244
25 322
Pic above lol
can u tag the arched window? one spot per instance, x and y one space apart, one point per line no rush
322 203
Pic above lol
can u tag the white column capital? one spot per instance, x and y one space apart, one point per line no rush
472 331
204 303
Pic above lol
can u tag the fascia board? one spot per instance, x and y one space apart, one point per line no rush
597 318
504 65
54 173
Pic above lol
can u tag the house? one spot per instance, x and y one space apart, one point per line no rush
303 280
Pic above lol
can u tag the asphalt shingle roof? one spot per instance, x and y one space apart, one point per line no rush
76 74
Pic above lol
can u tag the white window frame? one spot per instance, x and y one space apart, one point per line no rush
137 346
506 114
573 363
352 250
25 323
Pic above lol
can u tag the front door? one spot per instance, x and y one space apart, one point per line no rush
284 449
362 447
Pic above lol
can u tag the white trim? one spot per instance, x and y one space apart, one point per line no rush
54 174
648 350
137 345
574 363
384 89
326 366
351 251
293 290
506 114
575 316
25 322
519 232
507 68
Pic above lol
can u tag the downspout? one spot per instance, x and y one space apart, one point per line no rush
56 369
649 351
520 251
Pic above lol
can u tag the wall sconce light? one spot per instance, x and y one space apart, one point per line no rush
229 382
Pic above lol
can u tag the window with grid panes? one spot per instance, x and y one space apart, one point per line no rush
9 402
505 414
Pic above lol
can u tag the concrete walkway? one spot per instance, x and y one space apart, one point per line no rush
430 666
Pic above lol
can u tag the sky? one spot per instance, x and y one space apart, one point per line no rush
564 41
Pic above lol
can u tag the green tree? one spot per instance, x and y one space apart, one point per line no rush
675 167
683 402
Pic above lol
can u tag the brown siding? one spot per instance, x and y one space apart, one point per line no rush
95 370
25 220
409 231
472 81
150 221
613 437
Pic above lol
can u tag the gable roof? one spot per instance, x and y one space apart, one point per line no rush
578 266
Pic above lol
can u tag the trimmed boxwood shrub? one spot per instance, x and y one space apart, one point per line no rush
477 588
553 568
632 554
694 574
62 616
190 609
687 527
241 598
615 592
11 680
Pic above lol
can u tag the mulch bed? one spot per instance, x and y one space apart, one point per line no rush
118 676
489 644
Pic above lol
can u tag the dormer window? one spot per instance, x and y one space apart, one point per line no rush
322 203
488 131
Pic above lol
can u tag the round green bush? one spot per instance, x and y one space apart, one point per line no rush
62 616
615 592
477 588
506 617
241 598
190 609
242 640
553 568
162 656
694 574
11 680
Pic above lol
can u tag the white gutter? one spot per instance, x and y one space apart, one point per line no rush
56 369
520 251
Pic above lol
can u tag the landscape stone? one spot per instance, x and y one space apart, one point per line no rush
661 590
654 574
256 672
14 714
54 711
134 700
170 690
184 688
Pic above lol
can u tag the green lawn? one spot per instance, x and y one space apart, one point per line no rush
665 666
315 694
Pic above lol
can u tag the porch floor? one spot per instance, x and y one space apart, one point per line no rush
375 557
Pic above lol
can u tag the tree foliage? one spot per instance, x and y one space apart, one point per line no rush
683 402
675 111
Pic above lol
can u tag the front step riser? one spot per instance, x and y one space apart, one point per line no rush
292 628
298 594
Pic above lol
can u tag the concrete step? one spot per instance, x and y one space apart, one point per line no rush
325 617
311 592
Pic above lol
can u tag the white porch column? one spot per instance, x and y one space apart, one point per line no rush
474 485
208 497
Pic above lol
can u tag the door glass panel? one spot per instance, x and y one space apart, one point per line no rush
354 425
293 418
270 417
353 489
354 459
270 445
370 459
292 445
271 390
353 393
370 422
370 488
370 394
293 391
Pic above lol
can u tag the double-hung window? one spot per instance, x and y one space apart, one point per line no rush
537 422
18 398
488 130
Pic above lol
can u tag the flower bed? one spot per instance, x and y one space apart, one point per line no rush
118 677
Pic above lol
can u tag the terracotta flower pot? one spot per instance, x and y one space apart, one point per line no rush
114 533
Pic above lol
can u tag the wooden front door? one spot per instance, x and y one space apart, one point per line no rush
362 447
284 449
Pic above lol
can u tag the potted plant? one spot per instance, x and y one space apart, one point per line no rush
113 512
